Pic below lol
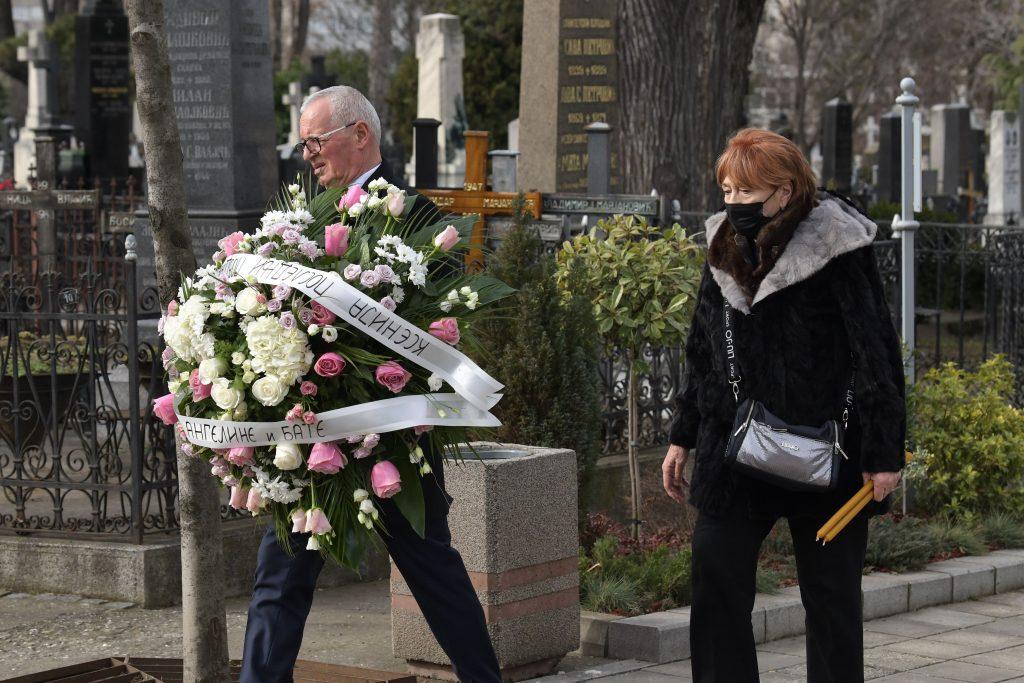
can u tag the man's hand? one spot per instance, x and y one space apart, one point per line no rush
885 482
672 472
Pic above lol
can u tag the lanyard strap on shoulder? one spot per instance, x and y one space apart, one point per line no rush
735 378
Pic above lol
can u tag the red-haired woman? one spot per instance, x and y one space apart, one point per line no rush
807 315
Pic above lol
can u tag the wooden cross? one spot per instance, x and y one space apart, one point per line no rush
474 197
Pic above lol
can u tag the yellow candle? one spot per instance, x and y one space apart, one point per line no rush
865 490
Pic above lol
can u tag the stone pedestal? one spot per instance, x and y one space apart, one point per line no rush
514 521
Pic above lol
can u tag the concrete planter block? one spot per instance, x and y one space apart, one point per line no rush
594 633
970 580
659 637
884 595
514 521
1009 569
926 588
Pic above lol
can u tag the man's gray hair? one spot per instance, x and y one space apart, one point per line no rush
347 105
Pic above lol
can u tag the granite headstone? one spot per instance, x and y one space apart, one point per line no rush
102 82
837 144
223 96
568 81
951 130
889 156
1003 166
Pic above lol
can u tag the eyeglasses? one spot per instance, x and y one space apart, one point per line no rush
313 142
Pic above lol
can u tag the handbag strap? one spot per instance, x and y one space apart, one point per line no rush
734 375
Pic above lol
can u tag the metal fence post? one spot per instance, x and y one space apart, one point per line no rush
905 227
134 412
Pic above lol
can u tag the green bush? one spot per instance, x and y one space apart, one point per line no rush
1002 530
969 460
897 545
952 537
545 349
612 580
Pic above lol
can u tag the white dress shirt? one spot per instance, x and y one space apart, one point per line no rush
358 182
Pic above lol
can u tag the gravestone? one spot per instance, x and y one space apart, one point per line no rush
871 130
889 158
222 85
41 56
1003 167
951 129
102 77
440 48
318 78
568 81
837 144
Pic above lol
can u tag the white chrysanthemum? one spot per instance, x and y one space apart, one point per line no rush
272 218
184 332
277 489
277 351
300 218
398 294
418 274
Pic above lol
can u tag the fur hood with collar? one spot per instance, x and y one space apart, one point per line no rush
790 249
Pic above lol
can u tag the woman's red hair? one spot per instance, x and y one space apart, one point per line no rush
760 159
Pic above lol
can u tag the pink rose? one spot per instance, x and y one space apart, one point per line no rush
447 238
351 198
254 502
240 455
385 479
200 391
294 413
220 469
230 243
445 329
316 522
172 307
326 458
307 388
238 497
321 315
298 520
361 452
309 417
419 429
329 364
163 408
336 239
392 375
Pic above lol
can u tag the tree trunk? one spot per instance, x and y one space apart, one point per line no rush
294 27
204 627
680 108
301 28
382 50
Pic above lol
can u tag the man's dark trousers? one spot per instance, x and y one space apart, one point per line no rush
430 566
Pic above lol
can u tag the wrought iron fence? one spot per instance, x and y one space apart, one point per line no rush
80 453
970 305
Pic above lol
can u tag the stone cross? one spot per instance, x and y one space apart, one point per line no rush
41 57
871 130
293 100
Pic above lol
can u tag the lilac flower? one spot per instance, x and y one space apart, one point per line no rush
385 273
266 249
388 303
291 236
309 249
274 305
287 320
282 291
369 278
307 316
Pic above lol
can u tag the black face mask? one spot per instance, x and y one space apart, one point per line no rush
748 219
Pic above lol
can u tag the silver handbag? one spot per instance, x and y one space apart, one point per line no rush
794 457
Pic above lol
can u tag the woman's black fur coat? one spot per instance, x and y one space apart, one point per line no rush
815 293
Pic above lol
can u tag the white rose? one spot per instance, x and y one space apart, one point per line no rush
473 301
212 368
237 358
246 303
248 376
366 507
173 385
269 390
217 308
330 333
293 188
465 290
352 271
287 456
360 495
312 329
225 395
355 210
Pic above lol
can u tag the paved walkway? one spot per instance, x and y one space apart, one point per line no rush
981 640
